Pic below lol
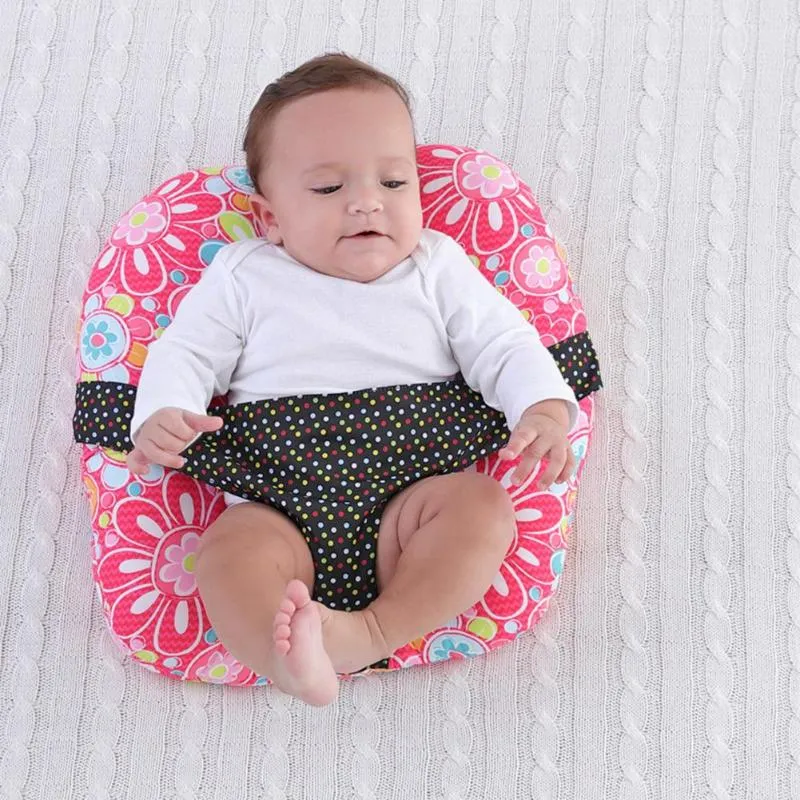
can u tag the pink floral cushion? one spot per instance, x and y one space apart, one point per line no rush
146 530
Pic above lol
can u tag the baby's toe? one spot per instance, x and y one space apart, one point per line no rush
287 606
282 618
297 593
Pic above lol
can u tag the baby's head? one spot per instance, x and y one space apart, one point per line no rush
330 147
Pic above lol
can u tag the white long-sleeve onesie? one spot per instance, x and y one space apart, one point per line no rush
259 325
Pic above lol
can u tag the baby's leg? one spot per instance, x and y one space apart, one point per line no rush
440 545
245 569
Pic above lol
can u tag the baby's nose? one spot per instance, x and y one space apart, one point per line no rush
365 202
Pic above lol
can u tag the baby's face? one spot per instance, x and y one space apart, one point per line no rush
340 185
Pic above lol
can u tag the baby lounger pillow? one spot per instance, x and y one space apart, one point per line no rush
146 529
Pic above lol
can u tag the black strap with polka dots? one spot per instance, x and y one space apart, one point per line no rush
103 414
103 410
577 361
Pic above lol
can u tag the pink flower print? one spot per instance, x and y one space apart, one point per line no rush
179 569
474 198
139 574
542 268
142 223
488 176
537 268
159 239
221 667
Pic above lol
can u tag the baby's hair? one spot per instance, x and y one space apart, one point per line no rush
329 71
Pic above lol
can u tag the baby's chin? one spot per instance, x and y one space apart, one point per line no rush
362 272
361 267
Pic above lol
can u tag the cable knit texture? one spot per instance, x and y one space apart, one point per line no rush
663 138
792 355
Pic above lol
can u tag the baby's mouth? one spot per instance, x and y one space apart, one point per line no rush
365 235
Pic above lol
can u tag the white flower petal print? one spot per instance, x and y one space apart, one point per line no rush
505 481
437 183
168 187
529 558
187 508
174 242
515 591
495 216
524 200
149 525
457 211
500 585
166 629
140 261
508 221
135 565
141 604
109 570
528 514
182 616
106 258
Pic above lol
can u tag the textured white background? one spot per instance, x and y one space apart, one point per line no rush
662 139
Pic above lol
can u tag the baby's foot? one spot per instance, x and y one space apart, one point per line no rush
302 667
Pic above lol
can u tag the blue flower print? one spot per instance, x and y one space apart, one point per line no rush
449 648
97 340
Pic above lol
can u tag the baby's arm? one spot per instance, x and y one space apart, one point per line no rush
501 355
192 361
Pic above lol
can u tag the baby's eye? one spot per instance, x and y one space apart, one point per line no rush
394 184
327 189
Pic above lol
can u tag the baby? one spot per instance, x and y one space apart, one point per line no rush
368 364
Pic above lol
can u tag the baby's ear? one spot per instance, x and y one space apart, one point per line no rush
268 223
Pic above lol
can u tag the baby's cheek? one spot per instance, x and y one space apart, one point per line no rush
306 239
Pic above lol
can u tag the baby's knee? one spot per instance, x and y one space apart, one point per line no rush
239 529
485 499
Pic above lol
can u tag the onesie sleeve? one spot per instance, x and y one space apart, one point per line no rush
498 351
196 355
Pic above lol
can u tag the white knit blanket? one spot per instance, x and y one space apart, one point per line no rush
662 139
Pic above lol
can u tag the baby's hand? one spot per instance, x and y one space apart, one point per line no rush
164 434
539 435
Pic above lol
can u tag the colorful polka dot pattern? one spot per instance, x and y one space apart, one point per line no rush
146 529
103 410
332 462
103 414
578 364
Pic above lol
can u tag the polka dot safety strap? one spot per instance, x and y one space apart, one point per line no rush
103 410
146 529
